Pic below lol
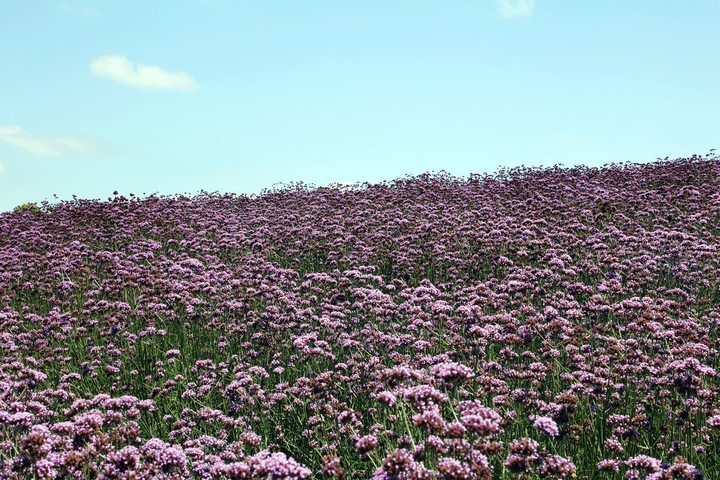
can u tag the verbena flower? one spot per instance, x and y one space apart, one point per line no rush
546 425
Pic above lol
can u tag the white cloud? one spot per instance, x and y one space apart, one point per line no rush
2 168
88 12
516 8
150 77
49 146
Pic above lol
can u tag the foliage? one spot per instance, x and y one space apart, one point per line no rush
542 323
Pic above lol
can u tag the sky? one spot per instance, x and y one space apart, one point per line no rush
177 96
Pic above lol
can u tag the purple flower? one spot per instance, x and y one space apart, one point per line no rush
557 466
714 421
124 460
609 465
45 469
451 372
644 462
274 466
387 398
366 444
480 425
424 397
431 420
453 469
546 425
171 460
22 419
398 463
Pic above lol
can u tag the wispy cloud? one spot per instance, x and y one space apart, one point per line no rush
48 146
2 168
516 8
88 12
568 139
149 77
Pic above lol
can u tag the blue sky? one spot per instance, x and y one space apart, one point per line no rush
177 96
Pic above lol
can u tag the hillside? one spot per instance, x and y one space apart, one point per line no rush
536 323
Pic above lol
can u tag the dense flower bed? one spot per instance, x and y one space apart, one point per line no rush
538 323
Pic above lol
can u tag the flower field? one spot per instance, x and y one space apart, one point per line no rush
537 323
